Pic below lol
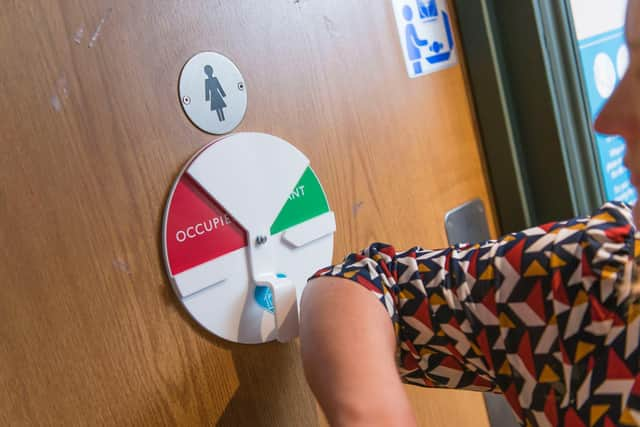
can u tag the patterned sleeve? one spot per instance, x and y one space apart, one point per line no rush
545 316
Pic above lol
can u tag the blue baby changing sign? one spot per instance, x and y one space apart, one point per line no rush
426 35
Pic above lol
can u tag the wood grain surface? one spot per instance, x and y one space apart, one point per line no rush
91 139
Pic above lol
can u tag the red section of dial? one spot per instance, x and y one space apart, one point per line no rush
198 229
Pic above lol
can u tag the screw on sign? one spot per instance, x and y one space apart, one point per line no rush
241 86
186 100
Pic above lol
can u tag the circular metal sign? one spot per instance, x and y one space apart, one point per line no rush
213 93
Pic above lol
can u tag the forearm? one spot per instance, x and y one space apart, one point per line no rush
348 351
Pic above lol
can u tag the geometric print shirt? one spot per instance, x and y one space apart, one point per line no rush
545 316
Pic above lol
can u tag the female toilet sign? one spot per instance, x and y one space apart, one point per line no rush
426 36
213 93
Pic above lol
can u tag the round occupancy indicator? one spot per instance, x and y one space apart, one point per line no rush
213 93
244 185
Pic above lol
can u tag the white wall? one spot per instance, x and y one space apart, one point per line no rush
593 17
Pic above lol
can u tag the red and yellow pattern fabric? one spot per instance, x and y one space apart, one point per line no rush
545 316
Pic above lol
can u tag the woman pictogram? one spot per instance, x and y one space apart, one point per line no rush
214 92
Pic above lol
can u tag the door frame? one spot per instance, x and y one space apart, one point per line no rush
523 68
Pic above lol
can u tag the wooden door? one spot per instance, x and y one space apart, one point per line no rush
91 138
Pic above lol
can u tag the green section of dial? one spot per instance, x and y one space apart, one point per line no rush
306 201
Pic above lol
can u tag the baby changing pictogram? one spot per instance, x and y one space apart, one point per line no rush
426 35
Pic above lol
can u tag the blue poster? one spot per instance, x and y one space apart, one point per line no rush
605 58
